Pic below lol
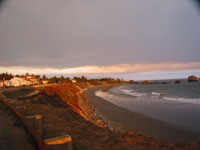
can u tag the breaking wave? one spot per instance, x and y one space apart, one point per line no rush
183 100
157 93
133 93
105 95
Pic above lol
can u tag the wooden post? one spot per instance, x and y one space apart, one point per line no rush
59 143
21 110
36 123
12 103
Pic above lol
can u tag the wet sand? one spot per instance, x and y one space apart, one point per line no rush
126 120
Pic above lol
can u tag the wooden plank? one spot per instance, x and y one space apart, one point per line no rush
59 143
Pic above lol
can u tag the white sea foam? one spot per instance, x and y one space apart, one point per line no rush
105 95
183 100
157 93
133 93
115 99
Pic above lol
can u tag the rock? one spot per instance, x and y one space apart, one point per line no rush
177 81
98 121
164 82
193 78
111 129
104 124
146 82
133 82
93 118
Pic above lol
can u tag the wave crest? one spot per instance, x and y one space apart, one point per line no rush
157 93
183 100
133 93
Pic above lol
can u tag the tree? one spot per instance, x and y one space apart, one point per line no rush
6 76
67 80
83 79
62 79
37 76
53 79
44 77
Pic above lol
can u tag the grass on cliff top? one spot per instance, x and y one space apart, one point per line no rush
17 93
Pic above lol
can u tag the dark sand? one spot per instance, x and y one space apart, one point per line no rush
130 121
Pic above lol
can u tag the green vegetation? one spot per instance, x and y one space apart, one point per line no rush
6 76
63 79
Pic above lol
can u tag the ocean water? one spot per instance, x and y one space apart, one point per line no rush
176 104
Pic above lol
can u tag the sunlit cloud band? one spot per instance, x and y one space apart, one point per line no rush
100 70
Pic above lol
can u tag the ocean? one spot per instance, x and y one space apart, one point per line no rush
175 104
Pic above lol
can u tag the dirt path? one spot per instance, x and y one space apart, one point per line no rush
12 137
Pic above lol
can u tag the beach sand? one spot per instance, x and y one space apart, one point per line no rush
126 120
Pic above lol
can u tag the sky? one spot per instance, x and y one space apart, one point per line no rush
131 39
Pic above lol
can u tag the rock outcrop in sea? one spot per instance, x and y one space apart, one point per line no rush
193 78
146 82
177 82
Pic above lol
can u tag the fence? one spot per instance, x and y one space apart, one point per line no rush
32 134
33 126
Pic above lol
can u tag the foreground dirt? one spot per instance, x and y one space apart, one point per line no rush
12 137
59 106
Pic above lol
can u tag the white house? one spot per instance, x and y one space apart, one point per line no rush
74 81
5 83
1 83
45 81
17 81
32 79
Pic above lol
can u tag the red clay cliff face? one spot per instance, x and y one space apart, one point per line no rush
67 94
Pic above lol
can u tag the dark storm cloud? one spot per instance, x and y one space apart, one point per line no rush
1 3
197 2
68 33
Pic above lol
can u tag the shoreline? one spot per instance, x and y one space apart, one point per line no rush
57 106
121 119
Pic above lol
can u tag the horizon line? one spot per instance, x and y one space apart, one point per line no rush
104 70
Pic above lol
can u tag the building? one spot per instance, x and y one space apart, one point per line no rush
44 81
1 83
17 81
32 79
5 83
74 81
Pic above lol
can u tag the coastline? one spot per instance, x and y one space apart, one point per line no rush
88 110
59 107
121 119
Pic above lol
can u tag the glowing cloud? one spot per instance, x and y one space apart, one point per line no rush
101 70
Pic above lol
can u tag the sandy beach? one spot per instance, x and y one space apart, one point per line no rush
126 120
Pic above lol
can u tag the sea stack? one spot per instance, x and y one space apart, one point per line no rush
146 82
193 78
177 82
133 82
